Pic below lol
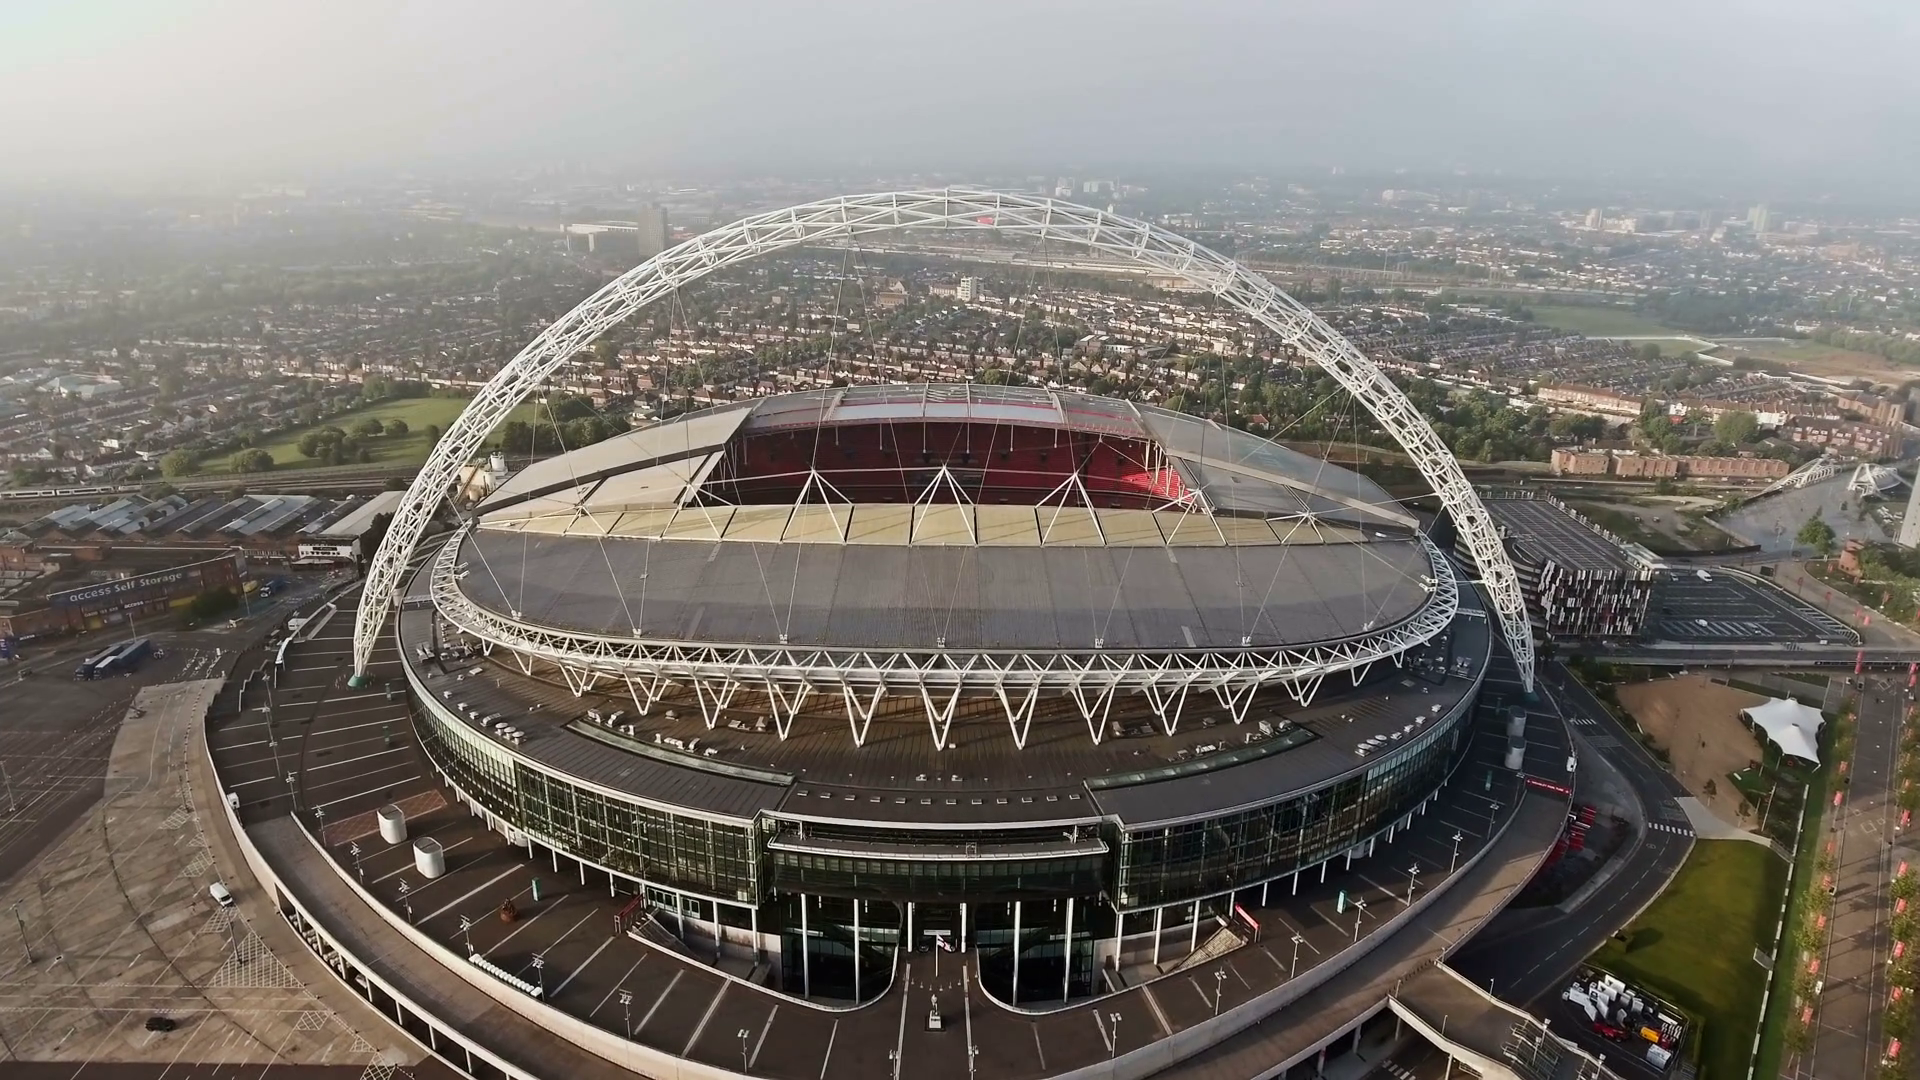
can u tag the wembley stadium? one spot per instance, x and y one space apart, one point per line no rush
808 692
825 673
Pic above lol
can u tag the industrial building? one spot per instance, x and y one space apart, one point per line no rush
88 565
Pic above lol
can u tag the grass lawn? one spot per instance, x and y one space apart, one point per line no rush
1600 321
408 449
1694 947
1817 359
1773 1028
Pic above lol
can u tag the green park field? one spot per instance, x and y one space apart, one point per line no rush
1694 947
408 449
1598 321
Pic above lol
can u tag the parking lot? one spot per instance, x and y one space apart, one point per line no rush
1727 608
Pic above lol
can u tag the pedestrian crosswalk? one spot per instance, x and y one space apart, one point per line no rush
1677 830
1396 1070
1584 721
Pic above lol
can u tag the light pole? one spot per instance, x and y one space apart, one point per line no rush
626 1011
1295 969
1359 909
408 904
293 791
1113 1045
1413 876
353 849
743 1049
466 933
13 804
1455 864
1219 986
540 972
25 946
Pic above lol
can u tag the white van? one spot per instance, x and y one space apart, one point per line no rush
220 894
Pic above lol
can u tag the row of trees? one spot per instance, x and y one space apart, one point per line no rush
1900 350
1901 1021
1806 942
563 423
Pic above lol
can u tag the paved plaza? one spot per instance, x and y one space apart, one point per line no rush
114 924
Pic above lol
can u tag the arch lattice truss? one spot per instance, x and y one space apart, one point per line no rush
853 217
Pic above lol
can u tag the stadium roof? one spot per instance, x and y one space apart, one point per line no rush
1202 537
668 464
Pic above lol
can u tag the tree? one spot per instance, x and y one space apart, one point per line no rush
369 428
433 433
1736 427
255 460
178 463
213 602
376 533
397 427
1816 534
312 444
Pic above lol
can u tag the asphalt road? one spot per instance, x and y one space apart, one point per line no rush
1772 657
56 733
1527 954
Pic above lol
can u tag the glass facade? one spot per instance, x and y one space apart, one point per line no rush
1201 858
836 900
681 851
931 880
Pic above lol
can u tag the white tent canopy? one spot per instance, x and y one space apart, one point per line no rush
1793 727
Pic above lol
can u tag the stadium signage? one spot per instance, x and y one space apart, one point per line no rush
116 588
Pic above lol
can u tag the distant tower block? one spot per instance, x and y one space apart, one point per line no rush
1910 527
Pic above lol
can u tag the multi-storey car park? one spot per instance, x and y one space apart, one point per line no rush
1579 581
816 690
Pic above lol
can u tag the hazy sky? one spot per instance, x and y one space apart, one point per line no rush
1760 89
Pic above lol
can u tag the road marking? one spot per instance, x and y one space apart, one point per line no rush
621 983
363 757
704 1017
524 923
372 790
828 1056
404 867
671 983
469 894
761 1041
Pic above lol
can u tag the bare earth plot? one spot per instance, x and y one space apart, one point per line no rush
1697 722
120 928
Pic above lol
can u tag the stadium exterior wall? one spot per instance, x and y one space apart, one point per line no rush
747 909
444 1039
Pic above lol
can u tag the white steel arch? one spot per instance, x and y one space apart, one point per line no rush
855 216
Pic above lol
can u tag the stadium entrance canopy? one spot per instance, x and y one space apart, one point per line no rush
1791 726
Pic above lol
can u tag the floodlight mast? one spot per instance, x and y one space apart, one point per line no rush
854 216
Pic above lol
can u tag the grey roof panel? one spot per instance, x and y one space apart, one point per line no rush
985 597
